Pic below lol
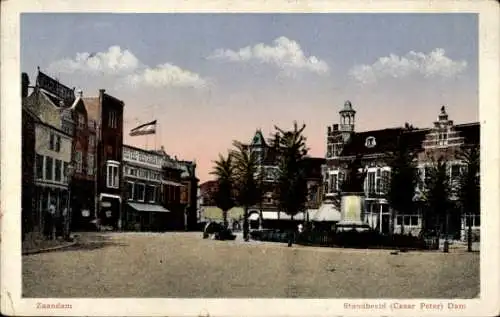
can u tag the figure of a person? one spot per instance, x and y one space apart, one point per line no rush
65 220
51 214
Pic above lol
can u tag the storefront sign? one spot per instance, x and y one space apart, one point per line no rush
53 86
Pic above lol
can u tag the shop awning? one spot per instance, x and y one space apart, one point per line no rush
148 207
327 212
172 183
215 213
275 215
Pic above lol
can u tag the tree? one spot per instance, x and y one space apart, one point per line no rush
468 187
355 177
224 197
292 184
437 196
247 185
403 178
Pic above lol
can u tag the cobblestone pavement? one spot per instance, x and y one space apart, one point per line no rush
185 265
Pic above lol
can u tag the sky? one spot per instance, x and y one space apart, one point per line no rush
210 79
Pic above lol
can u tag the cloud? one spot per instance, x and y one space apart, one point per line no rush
434 64
284 53
114 61
167 75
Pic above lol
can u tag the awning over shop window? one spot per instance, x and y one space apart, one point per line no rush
172 183
148 207
275 215
215 213
327 212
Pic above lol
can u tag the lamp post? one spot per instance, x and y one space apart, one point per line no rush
70 169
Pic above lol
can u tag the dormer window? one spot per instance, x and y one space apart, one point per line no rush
442 138
370 142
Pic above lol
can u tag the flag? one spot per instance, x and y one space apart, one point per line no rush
144 129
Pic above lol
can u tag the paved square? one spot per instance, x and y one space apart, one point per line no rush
185 265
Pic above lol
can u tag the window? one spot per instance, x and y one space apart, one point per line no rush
91 141
79 161
58 167
112 119
90 164
52 142
112 175
150 193
65 168
442 137
371 183
139 192
81 121
143 173
49 168
129 191
473 221
386 181
91 124
370 142
58 143
455 171
55 142
132 171
67 127
39 166
407 220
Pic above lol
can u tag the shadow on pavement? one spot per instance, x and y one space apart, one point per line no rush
92 242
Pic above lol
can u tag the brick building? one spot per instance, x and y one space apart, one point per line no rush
107 113
189 194
266 212
144 185
48 106
444 139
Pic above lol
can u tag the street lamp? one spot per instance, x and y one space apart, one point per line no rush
70 169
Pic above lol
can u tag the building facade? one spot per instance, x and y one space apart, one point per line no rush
189 194
30 222
48 106
144 185
443 140
107 112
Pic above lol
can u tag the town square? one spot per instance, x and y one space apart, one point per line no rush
277 156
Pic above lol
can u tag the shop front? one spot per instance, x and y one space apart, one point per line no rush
146 217
109 211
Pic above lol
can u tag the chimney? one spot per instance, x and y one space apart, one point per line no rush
329 130
25 82
335 127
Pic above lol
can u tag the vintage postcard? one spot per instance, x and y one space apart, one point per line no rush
250 158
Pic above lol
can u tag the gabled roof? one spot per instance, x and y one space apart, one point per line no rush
384 140
93 108
258 139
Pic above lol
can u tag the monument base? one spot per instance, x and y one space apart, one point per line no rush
351 207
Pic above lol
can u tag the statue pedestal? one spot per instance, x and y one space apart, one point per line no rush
351 209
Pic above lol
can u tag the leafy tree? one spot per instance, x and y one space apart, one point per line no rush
355 177
292 184
224 197
437 196
468 187
403 178
247 181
